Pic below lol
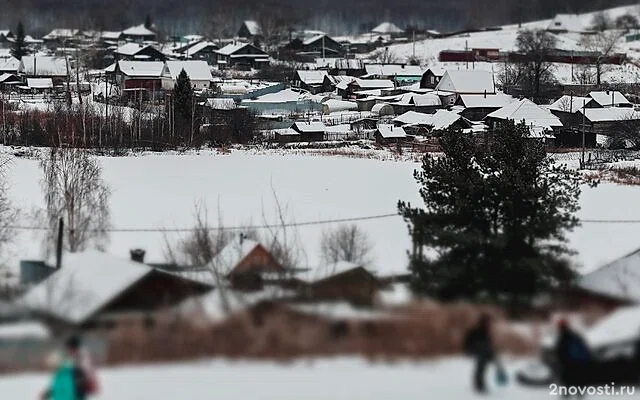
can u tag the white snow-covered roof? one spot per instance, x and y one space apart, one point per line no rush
567 22
285 132
44 66
569 104
393 70
85 283
143 68
11 64
388 131
623 325
221 104
138 30
497 100
316 126
130 49
110 35
5 76
610 114
198 47
619 279
373 83
467 82
533 115
314 38
338 268
341 128
253 27
437 71
441 119
196 70
232 48
40 83
420 100
61 34
312 77
609 98
24 330
413 118
386 28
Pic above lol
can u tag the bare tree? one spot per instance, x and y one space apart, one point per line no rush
605 45
384 56
75 191
346 243
535 70
8 214
601 22
627 22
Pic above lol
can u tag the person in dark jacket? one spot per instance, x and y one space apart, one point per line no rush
572 355
479 345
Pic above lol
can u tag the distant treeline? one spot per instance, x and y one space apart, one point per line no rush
176 17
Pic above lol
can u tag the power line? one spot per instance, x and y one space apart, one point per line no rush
228 228
285 225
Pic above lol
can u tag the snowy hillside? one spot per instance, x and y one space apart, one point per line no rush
159 191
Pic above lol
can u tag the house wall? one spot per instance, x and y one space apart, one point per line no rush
357 286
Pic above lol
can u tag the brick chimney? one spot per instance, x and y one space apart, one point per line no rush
137 255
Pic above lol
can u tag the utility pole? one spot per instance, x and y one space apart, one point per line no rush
466 52
59 243
414 43
584 106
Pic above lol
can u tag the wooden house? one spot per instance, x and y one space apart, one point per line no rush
205 51
245 263
478 106
139 33
344 281
467 82
242 56
320 46
94 290
138 52
142 78
431 78
44 67
310 131
389 134
198 71
313 81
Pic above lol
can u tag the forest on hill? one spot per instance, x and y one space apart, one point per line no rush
333 16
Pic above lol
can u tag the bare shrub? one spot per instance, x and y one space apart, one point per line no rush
346 243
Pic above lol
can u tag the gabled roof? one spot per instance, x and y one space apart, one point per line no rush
232 49
467 82
312 77
198 47
609 98
388 131
436 71
413 118
138 30
533 115
11 64
620 279
85 283
131 49
497 100
143 68
110 35
420 100
5 77
61 34
570 104
44 66
236 252
253 27
386 28
441 119
610 114
196 70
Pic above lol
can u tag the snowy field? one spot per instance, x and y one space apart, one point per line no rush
159 191
338 379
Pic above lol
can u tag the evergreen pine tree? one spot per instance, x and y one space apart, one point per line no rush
183 103
19 47
495 218
147 22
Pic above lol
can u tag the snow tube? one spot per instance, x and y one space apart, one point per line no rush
535 374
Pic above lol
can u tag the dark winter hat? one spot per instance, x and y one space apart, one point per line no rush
73 343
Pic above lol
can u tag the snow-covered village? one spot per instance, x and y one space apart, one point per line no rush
336 200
